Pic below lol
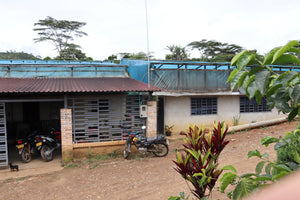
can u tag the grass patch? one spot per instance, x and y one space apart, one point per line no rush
71 165
8 180
231 133
264 128
95 165
21 178
90 161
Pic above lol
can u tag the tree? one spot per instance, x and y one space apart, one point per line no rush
71 53
177 52
60 33
282 90
140 55
13 55
212 50
112 57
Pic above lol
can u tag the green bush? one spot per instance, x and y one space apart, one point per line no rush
266 171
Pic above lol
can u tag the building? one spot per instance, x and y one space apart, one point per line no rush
197 93
88 101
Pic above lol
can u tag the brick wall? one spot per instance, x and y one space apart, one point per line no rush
152 118
66 134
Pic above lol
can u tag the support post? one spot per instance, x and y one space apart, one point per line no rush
151 118
65 101
66 135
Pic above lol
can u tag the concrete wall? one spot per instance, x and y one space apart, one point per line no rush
178 113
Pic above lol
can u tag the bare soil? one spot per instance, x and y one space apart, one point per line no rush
140 177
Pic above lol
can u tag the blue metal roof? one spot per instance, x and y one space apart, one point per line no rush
54 62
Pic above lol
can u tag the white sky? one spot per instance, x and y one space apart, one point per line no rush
115 26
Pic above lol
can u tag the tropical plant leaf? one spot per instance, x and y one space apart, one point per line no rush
287 59
242 79
268 169
287 77
232 74
237 57
193 153
296 156
268 140
296 95
236 79
229 167
266 155
258 96
264 178
279 144
259 167
282 167
273 89
242 189
254 70
226 180
293 114
284 49
280 174
292 165
249 81
294 50
248 175
244 60
251 89
254 153
269 57
262 81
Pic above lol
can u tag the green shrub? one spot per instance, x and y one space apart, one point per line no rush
198 164
266 171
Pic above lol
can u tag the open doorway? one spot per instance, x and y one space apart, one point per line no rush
23 118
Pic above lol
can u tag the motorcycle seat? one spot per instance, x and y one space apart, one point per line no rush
156 138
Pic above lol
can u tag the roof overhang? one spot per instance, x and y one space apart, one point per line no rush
180 94
73 85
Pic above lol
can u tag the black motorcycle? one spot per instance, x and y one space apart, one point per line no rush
28 146
158 144
50 143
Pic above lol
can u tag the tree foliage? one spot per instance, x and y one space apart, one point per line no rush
60 33
72 53
140 55
13 55
212 50
177 53
282 89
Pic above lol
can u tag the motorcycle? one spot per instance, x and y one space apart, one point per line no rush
158 145
29 145
50 143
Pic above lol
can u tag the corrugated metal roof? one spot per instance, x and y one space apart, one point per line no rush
72 85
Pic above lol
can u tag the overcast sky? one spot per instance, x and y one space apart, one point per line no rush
115 26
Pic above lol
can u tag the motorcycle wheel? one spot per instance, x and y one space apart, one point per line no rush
126 153
46 153
160 150
26 155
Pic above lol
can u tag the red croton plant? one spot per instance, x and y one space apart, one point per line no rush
198 164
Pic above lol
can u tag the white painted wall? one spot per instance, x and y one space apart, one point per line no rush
178 113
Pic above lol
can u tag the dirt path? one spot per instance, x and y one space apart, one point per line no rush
138 178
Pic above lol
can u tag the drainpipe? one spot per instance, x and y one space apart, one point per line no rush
256 124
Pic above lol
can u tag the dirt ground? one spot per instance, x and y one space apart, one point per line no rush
137 178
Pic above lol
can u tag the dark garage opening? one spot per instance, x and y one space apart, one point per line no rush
22 118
